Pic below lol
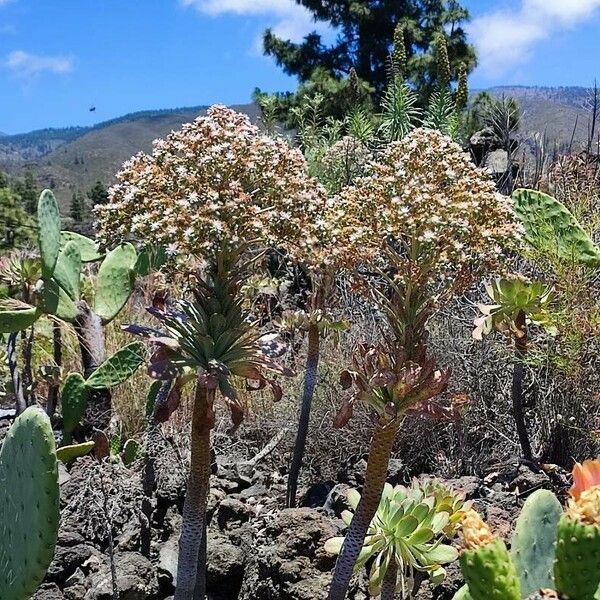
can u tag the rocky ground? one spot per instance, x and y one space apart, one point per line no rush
256 549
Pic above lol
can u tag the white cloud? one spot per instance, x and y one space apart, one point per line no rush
290 20
505 39
28 65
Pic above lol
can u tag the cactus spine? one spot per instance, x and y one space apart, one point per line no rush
29 504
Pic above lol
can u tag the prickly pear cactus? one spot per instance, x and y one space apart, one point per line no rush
49 232
18 319
490 573
118 368
74 400
577 566
29 504
534 540
68 270
67 454
115 281
88 249
550 227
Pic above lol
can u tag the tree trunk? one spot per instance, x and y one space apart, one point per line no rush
196 498
90 334
517 387
11 350
388 589
310 382
377 467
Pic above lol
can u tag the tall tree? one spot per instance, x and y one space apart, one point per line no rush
98 194
365 40
28 191
17 228
77 208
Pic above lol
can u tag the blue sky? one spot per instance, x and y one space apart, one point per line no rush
60 57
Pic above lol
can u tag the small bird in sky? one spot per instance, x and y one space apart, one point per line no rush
92 108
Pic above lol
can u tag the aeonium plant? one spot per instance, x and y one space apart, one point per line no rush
430 224
218 193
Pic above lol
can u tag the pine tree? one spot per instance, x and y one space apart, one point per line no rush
17 228
98 194
77 208
366 37
29 193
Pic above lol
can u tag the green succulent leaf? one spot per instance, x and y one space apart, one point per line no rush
74 398
67 454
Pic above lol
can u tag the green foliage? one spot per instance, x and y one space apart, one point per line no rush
462 89
118 368
150 259
441 113
130 452
442 62
513 297
17 228
115 281
407 531
399 56
551 229
98 194
399 111
367 31
532 547
29 504
77 208
49 232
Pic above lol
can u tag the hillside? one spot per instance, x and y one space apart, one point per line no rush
75 158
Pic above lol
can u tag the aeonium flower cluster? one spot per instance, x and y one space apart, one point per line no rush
216 180
441 213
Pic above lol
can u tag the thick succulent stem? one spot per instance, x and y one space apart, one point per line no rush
90 334
57 356
194 508
200 590
388 588
310 382
517 386
377 467
27 366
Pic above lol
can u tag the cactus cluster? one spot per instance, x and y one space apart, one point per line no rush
29 504
59 290
407 533
552 229
550 549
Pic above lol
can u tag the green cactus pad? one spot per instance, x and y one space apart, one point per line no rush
74 398
115 282
88 249
17 320
55 301
29 504
68 270
131 452
577 566
551 228
49 232
490 573
119 367
534 540
67 454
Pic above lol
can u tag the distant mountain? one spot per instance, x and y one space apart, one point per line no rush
74 158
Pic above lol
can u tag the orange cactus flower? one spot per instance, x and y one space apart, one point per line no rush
585 477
